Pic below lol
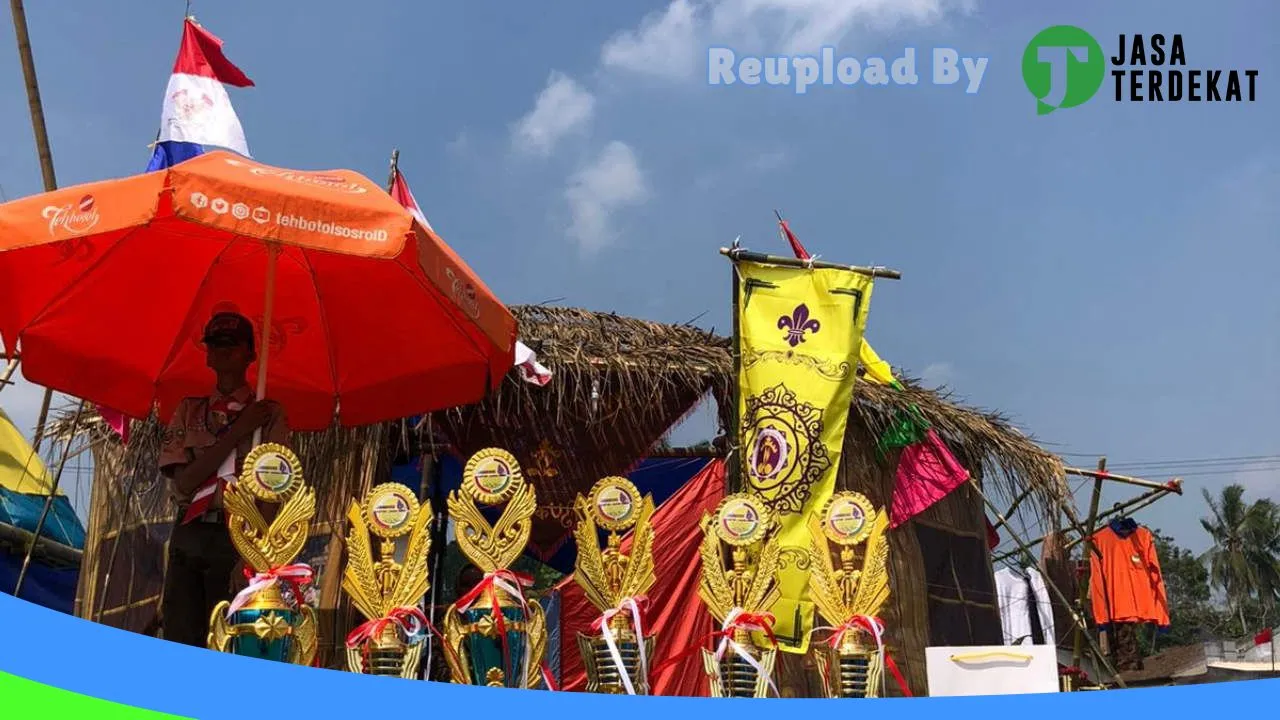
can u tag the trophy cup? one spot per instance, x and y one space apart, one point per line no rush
269 619
615 659
493 635
852 660
386 591
738 591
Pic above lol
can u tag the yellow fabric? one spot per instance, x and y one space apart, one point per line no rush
21 470
800 333
878 371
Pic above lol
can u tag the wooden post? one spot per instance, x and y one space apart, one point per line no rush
733 458
48 502
395 166
1083 595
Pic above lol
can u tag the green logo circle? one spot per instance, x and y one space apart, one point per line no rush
1063 67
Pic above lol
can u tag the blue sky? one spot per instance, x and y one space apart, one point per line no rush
1102 274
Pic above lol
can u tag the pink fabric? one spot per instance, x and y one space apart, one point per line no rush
927 472
117 420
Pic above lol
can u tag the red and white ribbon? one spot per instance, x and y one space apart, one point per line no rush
633 606
739 619
512 583
411 621
294 575
873 626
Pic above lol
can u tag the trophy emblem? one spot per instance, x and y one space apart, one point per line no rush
493 635
849 592
738 590
385 590
269 619
616 658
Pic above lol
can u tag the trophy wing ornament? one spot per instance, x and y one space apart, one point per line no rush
247 527
824 588
415 577
306 638
475 536
640 575
873 586
764 585
537 634
714 587
359 581
589 566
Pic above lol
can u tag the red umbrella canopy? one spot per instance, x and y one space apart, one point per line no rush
105 289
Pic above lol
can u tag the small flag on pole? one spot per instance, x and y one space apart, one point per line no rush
197 110
403 195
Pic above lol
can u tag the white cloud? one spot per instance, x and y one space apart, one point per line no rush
665 45
937 374
609 183
672 43
562 108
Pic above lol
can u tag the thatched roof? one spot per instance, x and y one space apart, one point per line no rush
621 383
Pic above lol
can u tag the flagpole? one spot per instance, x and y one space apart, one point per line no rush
395 167
733 470
738 254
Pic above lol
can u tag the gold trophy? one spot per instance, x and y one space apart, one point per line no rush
738 591
493 635
386 591
616 659
269 619
850 594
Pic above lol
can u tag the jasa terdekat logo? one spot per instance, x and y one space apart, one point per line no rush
1064 66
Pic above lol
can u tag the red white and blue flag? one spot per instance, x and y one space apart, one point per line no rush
197 110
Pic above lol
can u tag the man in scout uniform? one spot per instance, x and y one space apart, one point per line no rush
204 445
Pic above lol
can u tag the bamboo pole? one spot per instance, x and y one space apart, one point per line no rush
1102 474
395 167
7 373
1014 505
1083 595
1075 614
33 95
738 254
1127 507
733 458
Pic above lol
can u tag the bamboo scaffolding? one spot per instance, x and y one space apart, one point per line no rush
1076 616
1102 474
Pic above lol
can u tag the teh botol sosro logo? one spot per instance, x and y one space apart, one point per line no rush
1064 66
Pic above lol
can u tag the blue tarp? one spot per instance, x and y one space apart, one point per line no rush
23 511
50 587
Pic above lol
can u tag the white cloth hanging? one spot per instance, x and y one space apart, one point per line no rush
1020 595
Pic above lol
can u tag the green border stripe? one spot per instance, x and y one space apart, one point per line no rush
21 699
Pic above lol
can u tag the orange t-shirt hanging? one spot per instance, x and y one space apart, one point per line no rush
1125 582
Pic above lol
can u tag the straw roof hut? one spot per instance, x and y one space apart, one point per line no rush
620 384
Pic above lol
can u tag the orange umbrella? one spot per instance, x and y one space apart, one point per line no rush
105 288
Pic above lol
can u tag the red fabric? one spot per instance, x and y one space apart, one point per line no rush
993 537
677 614
796 247
107 288
927 472
200 54
1263 637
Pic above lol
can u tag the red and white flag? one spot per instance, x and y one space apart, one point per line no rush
196 106
403 195
527 363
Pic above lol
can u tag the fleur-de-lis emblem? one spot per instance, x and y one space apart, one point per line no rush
798 324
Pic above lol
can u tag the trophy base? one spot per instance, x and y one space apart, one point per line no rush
733 676
400 662
602 672
850 674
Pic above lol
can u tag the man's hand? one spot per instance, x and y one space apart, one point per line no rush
256 415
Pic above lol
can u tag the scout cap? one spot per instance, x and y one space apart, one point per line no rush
229 328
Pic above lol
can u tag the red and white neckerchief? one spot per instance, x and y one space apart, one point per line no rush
512 583
633 606
203 497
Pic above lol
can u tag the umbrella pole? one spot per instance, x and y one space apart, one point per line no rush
273 252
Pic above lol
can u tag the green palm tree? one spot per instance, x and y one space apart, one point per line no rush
1245 559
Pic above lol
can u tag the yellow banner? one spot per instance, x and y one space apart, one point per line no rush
800 334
